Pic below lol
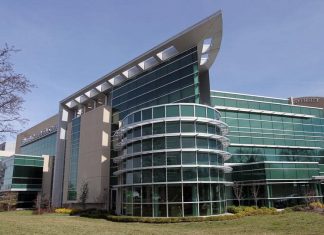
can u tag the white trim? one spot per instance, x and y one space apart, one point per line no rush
252 163
273 146
264 112
235 93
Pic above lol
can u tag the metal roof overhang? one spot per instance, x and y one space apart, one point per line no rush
206 35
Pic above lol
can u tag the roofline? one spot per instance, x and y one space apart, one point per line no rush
195 35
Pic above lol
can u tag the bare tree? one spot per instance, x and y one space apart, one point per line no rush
255 193
2 172
310 196
238 191
12 86
8 199
84 191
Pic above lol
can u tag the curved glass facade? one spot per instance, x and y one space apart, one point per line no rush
171 161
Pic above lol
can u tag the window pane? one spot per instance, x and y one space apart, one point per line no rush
203 174
211 129
212 144
147 114
204 192
147 145
188 158
137 177
190 192
172 127
202 158
159 175
172 111
201 127
174 158
159 143
137 132
137 147
188 142
174 174
187 127
137 117
213 159
147 210
137 162
204 209
160 210
147 176
174 193
146 160
210 113
158 159
189 174
173 142
175 210
187 110
200 111
147 129
202 143
159 194
159 112
159 128
147 194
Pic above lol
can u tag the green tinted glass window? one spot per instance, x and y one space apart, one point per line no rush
210 113
147 145
203 174
147 129
137 117
172 127
202 143
174 158
159 112
188 158
200 111
174 174
201 127
202 158
187 127
159 143
137 132
147 114
188 142
158 159
187 110
211 129
146 176
137 147
189 174
173 142
137 162
146 160
172 111
213 159
159 128
159 175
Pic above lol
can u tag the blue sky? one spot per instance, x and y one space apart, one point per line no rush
272 48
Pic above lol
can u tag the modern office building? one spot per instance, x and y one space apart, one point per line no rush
151 139
27 176
277 148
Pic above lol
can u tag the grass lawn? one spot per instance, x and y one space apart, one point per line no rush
23 222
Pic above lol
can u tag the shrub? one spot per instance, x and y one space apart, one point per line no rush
171 219
316 205
92 213
63 210
251 210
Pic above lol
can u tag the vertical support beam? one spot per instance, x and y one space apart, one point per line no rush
58 178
